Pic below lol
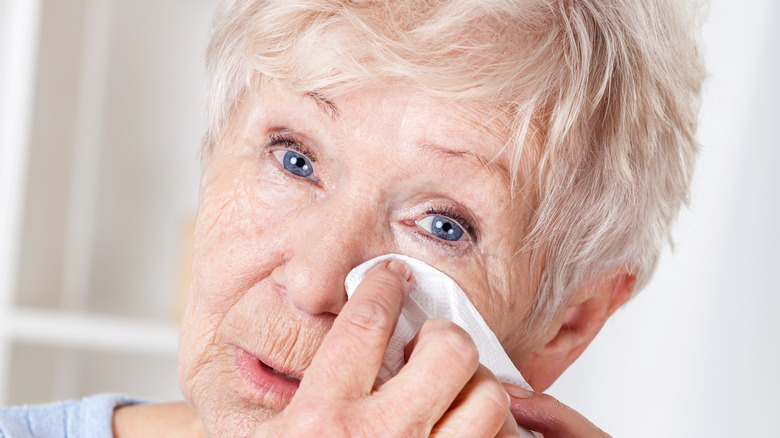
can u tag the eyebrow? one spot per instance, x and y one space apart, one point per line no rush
493 165
325 104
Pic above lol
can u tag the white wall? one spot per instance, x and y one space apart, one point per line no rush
97 186
697 352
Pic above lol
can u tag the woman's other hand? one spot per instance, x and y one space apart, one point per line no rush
441 391
545 414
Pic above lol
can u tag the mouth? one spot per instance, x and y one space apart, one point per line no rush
265 378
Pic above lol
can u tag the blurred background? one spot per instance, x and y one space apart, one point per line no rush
100 124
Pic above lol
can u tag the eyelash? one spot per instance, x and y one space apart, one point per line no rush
451 213
279 140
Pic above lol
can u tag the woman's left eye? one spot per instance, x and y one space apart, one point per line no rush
442 227
295 163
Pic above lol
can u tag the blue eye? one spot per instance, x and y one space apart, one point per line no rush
295 163
441 227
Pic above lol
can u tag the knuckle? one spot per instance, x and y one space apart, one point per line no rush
556 404
452 340
369 315
459 343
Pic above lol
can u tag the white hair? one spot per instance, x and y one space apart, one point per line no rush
602 98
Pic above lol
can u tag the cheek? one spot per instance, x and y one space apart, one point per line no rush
240 232
501 291
238 242
226 258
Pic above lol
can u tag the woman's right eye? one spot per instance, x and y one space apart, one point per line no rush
295 163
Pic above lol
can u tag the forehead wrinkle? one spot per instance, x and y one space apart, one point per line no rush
486 124
492 165
481 117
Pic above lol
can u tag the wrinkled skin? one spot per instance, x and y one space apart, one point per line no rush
272 249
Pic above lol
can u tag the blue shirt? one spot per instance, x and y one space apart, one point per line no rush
90 417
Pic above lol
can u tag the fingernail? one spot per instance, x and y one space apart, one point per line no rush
401 269
517 391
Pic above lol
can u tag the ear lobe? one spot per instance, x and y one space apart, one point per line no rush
576 327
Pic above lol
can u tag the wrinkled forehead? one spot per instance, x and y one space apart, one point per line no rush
478 117
482 120
481 126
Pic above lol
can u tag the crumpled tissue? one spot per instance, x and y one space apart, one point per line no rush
435 295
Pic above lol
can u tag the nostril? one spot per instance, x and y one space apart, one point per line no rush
281 290
279 280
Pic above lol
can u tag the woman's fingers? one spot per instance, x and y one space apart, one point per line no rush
509 428
442 361
482 405
351 354
545 414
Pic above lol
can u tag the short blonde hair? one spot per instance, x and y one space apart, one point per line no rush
604 95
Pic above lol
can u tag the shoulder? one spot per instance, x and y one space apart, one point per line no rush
90 416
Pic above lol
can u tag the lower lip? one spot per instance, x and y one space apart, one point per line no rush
264 378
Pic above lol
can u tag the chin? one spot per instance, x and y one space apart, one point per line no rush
223 411
233 424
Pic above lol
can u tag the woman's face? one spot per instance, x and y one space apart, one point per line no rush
300 191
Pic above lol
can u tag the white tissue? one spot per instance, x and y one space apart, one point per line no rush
435 295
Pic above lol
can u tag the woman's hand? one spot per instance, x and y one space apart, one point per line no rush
545 414
442 390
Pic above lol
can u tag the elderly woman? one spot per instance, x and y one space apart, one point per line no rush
536 151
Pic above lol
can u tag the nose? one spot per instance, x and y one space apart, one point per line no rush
324 243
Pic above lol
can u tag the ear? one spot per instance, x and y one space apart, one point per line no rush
575 327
